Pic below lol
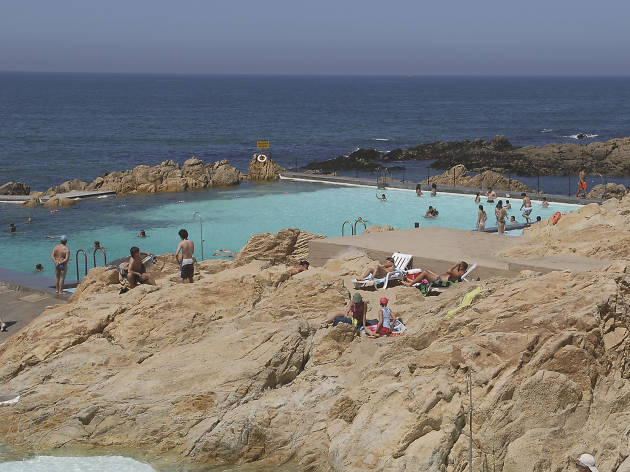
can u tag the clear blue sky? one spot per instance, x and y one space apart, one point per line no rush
486 37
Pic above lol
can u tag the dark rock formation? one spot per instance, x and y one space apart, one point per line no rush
610 157
15 188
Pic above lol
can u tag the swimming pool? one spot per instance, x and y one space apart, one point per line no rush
229 217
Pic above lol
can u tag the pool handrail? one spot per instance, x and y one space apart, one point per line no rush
344 225
358 220
104 255
76 258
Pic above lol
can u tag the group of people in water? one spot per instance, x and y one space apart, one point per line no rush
501 211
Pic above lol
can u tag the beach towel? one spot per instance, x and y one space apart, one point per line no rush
466 302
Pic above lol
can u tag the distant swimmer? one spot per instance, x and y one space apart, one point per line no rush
12 228
29 219
545 203
419 190
187 248
433 190
224 253
48 236
382 197
181 201
60 256
491 195
38 268
54 210
142 234
508 205
97 245
431 212
477 198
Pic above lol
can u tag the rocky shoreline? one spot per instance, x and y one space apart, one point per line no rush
166 177
498 154
236 367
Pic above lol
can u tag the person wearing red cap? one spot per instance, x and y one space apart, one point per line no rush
386 320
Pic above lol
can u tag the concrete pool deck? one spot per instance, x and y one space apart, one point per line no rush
439 248
411 185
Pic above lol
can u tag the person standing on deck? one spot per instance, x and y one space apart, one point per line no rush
582 185
60 256
187 248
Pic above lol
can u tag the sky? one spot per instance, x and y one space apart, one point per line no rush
343 37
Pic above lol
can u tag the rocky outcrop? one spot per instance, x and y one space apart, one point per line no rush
57 202
239 366
67 186
548 356
15 188
287 246
266 170
609 158
597 231
458 176
169 177
609 190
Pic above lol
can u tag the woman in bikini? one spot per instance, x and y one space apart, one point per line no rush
501 214
482 216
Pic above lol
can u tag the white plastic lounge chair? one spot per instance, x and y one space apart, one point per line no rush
467 273
401 261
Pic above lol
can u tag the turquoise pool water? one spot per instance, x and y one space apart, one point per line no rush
229 217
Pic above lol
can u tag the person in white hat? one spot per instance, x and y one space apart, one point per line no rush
586 463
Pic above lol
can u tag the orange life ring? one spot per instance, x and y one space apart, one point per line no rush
556 217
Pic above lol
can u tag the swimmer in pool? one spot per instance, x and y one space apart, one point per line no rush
433 190
142 234
12 228
38 268
382 197
545 203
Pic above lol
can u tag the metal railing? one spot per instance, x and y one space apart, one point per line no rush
76 258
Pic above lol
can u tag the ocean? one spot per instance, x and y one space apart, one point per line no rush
54 127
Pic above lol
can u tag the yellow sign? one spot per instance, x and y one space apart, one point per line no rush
262 144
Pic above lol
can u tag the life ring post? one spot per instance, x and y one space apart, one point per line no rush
261 158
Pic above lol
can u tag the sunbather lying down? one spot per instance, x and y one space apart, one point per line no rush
379 270
451 275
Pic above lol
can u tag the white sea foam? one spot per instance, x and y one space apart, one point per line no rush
575 136
78 464
546 130
380 139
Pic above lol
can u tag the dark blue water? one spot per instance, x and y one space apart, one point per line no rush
59 126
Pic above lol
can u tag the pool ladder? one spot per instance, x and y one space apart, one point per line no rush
353 227
85 260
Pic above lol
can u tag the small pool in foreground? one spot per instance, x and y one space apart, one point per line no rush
229 216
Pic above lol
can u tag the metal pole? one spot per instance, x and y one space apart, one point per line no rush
538 186
453 177
569 185
201 231
470 412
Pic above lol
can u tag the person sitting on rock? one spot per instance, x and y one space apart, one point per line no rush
301 267
454 274
379 270
386 320
355 313
136 272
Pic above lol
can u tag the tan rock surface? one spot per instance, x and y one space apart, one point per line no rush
56 201
235 368
169 177
287 246
600 231
267 170
458 176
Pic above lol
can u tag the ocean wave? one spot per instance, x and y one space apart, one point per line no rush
380 139
546 130
585 136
